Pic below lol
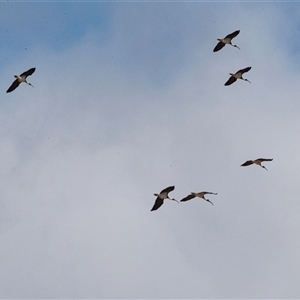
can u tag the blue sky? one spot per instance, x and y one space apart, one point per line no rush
52 25
129 98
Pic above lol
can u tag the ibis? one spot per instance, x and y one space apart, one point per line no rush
237 75
200 195
19 79
256 162
226 40
164 194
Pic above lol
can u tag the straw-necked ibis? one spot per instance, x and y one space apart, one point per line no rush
19 79
200 195
164 194
237 75
226 40
256 162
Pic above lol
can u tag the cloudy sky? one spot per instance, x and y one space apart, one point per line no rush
129 98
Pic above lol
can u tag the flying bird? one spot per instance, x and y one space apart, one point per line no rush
19 79
237 75
162 196
200 195
256 162
226 40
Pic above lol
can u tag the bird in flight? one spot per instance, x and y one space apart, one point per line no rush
256 162
19 79
237 75
164 194
200 195
226 40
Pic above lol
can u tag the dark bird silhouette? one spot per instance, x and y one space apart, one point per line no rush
200 195
19 79
256 162
164 194
226 40
237 75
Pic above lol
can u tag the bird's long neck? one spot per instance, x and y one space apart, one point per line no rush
209 201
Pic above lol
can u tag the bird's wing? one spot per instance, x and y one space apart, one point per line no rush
168 189
219 46
158 203
28 73
231 80
232 35
265 159
13 86
189 197
210 193
247 163
243 70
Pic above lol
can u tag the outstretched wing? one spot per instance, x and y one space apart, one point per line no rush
265 159
232 35
13 86
158 203
168 189
210 193
189 197
244 70
230 80
219 46
28 73
247 163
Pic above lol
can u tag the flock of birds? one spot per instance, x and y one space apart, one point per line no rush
164 194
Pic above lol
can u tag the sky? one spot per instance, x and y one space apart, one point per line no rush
128 99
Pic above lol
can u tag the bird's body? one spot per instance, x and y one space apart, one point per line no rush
19 79
256 162
200 195
226 41
164 194
237 75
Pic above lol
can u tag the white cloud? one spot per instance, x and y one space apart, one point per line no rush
84 151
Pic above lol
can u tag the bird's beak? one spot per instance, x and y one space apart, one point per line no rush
175 200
